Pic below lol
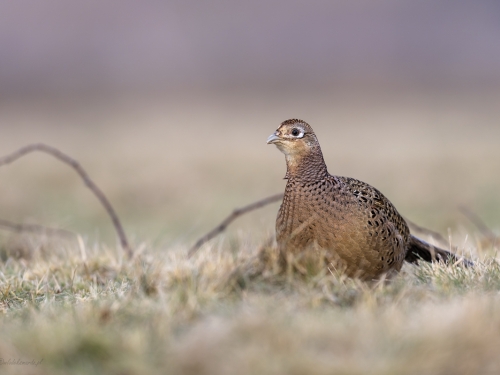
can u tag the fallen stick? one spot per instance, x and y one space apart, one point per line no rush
478 222
84 176
263 202
15 227
233 216
418 228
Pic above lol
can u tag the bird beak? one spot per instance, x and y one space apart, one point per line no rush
273 138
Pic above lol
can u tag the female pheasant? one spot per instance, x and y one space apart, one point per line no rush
358 228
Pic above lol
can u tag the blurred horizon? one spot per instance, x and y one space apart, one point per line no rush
59 48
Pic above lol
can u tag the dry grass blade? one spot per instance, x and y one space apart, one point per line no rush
85 177
234 215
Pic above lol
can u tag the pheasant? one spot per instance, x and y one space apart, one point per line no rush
354 224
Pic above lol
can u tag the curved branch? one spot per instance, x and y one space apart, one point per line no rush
84 176
234 215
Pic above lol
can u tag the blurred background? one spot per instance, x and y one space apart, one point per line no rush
168 104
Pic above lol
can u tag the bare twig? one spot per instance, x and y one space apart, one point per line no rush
84 176
478 222
15 227
426 231
234 215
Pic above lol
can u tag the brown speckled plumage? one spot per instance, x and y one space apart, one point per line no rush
360 230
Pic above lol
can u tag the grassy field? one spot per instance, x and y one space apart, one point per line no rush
174 167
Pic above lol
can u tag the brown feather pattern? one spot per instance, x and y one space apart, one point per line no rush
358 228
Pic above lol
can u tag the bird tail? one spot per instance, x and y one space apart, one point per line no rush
421 250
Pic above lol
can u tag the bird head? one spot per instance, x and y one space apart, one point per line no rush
304 159
294 138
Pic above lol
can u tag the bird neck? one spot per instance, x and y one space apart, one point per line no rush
309 166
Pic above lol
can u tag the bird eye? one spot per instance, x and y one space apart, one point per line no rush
295 132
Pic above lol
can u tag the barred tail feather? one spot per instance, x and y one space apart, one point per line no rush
421 250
